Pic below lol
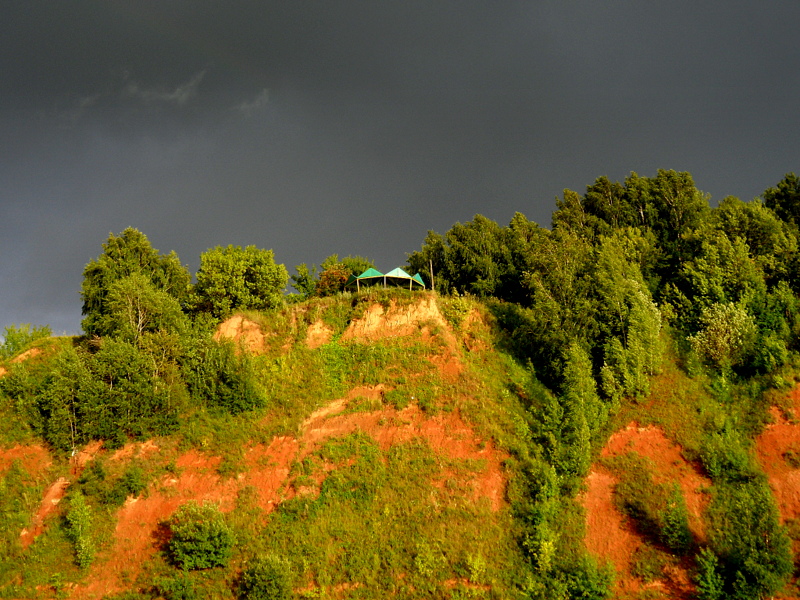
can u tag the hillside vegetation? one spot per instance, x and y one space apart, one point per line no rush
604 408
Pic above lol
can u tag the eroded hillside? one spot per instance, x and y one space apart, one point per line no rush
407 458
398 451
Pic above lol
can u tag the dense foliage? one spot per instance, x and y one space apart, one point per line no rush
201 539
131 284
233 278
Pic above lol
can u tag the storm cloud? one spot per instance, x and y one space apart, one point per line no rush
353 127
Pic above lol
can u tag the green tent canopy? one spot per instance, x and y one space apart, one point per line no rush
399 277
369 277
395 277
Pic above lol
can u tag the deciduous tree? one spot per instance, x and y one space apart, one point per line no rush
234 278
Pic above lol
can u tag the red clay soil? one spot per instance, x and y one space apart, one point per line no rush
777 449
244 331
26 355
267 466
318 334
406 320
608 534
37 458
33 459
137 537
378 322
779 440
53 495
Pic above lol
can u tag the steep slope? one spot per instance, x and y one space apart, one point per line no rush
413 431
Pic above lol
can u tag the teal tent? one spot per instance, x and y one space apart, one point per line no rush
397 277
369 277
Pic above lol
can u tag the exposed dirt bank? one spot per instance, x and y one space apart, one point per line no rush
611 537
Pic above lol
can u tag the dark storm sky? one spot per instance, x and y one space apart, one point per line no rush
353 127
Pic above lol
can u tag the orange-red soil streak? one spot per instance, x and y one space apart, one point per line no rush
670 465
32 458
52 497
608 533
268 466
244 331
777 448
318 334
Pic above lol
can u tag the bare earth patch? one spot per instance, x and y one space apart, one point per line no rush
318 334
32 458
52 497
608 534
778 452
398 320
243 331
26 355
22 358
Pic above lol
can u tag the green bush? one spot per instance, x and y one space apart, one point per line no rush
709 582
266 578
201 539
746 535
78 524
218 375
132 483
674 519
648 563
726 457
180 587
588 580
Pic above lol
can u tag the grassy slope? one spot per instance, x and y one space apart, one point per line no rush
398 519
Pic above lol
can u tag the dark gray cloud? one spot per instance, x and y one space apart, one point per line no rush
353 127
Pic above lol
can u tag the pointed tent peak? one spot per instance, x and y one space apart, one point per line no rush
398 272
370 273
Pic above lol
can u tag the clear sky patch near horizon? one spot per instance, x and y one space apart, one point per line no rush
324 127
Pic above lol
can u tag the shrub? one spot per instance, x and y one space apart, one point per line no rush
132 483
180 587
674 520
746 535
266 578
78 523
586 579
201 539
710 585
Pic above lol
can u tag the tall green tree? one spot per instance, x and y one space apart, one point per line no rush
784 199
234 278
665 206
126 255
137 307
